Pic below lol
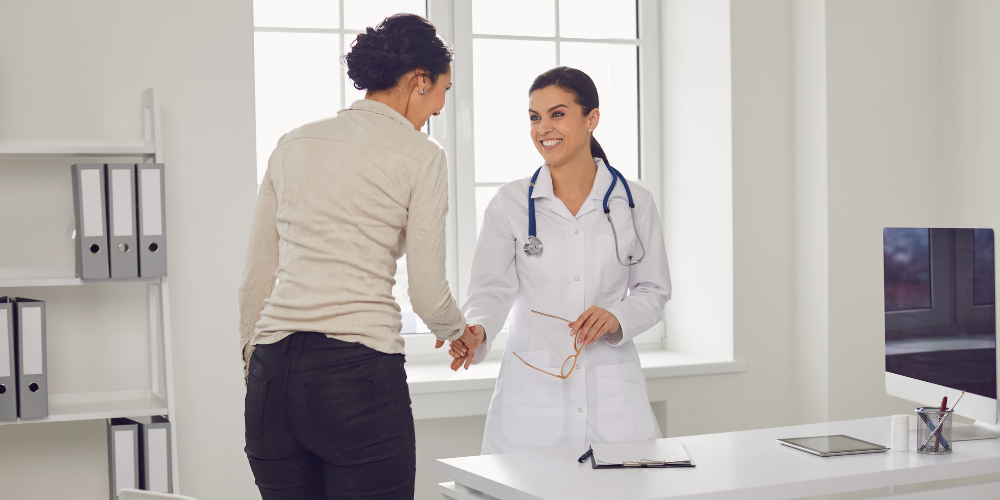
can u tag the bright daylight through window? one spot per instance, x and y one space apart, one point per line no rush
298 46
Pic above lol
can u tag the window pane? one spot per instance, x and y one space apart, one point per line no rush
360 14
615 71
296 13
351 94
296 83
484 195
907 266
411 322
502 73
597 19
514 17
984 268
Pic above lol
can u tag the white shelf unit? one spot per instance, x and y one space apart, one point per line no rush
158 398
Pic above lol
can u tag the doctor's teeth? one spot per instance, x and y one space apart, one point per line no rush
551 142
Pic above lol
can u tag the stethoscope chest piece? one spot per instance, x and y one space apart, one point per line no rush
533 246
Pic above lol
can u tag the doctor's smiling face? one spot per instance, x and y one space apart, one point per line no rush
559 125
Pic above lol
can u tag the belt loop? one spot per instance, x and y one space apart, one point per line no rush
298 339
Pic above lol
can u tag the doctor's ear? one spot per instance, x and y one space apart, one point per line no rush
593 118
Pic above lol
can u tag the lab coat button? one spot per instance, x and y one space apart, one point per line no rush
576 278
579 410
577 367
576 232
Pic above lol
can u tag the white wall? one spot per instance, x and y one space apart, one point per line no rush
909 141
811 257
970 122
884 155
759 244
75 70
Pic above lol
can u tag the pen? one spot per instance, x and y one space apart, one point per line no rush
944 407
583 458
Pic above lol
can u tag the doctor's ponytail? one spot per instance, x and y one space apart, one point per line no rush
582 87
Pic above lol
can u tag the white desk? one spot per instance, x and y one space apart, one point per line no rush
744 465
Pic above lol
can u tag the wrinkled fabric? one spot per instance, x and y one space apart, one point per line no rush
342 199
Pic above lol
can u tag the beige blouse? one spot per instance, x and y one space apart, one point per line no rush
341 199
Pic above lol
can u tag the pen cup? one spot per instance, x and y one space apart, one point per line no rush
933 431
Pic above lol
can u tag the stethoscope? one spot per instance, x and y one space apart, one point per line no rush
534 245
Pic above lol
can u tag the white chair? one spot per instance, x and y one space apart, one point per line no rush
130 494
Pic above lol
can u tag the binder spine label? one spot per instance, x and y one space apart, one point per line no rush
151 215
5 334
90 184
32 346
124 460
121 193
158 479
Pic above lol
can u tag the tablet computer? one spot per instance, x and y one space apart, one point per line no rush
832 446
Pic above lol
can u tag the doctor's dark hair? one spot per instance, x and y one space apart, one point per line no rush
379 56
584 91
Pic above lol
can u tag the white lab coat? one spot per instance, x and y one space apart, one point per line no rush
604 400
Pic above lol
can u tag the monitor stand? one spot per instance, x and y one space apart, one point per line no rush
967 432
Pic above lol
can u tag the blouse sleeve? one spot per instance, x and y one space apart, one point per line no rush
429 293
261 263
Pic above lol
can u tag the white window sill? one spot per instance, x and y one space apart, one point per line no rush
438 392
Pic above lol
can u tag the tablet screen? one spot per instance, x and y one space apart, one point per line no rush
833 444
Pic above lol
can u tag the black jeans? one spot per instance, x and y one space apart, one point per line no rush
329 419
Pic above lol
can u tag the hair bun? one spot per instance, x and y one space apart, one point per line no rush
379 56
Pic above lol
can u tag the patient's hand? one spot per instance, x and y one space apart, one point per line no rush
463 348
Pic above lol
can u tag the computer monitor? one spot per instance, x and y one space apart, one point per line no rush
940 322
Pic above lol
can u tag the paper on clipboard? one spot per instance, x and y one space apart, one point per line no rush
633 453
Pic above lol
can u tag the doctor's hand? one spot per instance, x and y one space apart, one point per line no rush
464 348
593 324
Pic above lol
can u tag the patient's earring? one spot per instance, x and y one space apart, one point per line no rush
421 91
590 130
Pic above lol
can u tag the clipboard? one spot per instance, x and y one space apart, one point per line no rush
673 462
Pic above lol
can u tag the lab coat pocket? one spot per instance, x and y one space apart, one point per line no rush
622 404
611 273
533 406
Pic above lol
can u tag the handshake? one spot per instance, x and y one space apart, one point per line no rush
463 348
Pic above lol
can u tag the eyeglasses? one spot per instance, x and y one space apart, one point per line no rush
571 360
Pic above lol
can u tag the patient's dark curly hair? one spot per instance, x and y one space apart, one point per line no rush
399 44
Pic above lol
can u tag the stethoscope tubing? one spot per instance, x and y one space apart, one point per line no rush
534 244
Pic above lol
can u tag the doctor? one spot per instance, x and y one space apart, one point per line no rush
567 244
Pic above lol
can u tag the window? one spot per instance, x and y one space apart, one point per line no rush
500 48
515 41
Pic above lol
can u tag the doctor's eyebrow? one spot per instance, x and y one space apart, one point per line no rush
550 109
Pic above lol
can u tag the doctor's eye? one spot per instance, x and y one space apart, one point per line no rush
557 114
534 118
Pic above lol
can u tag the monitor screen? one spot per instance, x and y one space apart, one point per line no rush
940 312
